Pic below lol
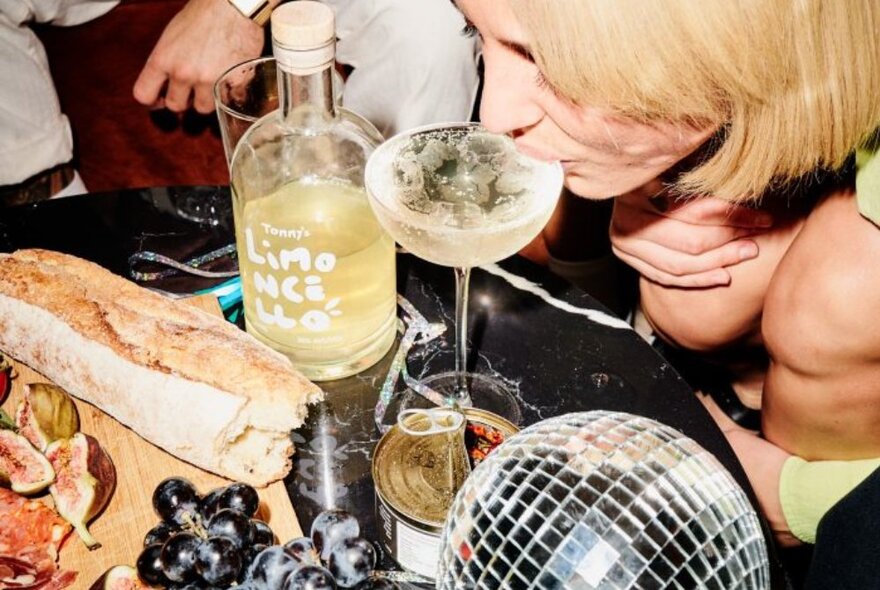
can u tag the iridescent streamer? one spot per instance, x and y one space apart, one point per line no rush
406 577
416 330
190 266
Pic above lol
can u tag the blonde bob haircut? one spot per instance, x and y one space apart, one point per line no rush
792 85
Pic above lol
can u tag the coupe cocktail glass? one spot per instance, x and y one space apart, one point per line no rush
457 195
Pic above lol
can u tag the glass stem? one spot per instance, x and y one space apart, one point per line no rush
462 279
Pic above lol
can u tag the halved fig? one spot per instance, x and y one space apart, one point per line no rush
84 481
5 378
120 577
23 467
46 414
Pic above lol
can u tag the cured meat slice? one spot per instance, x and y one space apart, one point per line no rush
31 534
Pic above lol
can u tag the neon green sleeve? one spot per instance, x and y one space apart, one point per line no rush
868 182
807 490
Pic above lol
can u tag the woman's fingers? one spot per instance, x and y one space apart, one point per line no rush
714 277
684 245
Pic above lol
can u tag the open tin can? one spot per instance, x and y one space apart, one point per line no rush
418 467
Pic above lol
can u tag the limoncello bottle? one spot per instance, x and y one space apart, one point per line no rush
317 270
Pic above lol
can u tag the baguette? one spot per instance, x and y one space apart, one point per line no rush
187 381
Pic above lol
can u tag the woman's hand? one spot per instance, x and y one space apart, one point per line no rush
684 243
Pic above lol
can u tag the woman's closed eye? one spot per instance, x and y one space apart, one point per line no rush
522 51
526 54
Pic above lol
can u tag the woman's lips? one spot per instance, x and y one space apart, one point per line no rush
535 153
567 165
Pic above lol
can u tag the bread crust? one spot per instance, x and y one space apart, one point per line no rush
183 379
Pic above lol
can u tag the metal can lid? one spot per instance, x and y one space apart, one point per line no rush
420 463
412 466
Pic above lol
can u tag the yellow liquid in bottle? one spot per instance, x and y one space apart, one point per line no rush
318 277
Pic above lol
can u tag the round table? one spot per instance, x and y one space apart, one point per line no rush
560 349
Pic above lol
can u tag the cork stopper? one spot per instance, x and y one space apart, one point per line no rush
303 25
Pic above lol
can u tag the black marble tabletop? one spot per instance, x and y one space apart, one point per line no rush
555 345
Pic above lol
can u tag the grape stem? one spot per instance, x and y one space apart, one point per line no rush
193 523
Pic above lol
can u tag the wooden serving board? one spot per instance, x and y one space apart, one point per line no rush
140 466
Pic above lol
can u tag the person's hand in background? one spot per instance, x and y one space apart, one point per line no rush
762 462
202 41
684 243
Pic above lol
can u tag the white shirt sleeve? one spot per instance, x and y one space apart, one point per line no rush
34 134
412 66
55 12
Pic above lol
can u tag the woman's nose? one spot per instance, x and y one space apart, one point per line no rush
507 102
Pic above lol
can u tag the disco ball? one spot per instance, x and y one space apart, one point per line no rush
602 500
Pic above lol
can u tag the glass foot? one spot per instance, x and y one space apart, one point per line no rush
205 205
486 392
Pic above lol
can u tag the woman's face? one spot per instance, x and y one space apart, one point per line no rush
603 155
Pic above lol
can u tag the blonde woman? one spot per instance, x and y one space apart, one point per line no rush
749 101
